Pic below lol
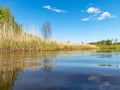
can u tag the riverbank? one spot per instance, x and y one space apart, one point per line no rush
113 47
7 45
13 37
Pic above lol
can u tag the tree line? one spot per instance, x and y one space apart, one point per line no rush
106 42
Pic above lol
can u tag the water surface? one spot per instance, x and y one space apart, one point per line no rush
60 71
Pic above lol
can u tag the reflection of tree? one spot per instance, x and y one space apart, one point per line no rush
11 64
47 61
47 65
47 68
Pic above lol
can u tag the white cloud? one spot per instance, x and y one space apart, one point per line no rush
47 7
54 9
86 19
59 10
96 14
93 10
105 15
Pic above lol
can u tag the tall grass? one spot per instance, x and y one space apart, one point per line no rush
12 42
14 38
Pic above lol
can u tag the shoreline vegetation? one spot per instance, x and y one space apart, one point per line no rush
107 45
34 45
13 38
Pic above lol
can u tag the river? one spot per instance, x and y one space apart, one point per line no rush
88 70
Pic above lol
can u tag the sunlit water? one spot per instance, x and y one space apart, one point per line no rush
60 71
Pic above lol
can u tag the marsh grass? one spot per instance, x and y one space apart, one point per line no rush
12 45
11 41
13 37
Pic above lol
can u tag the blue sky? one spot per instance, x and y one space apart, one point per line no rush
71 20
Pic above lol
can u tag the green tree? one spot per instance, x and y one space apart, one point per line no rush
46 30
109 42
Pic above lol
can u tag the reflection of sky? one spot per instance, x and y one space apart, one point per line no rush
67 78
91 60
78 70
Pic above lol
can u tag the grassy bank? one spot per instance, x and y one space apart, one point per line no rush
39 45
13 38
110 47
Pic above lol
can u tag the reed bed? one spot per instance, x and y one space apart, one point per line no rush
26 42
13 37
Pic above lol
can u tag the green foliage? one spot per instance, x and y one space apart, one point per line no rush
108 44
103 42
7 23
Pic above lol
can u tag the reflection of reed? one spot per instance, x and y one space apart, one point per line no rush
11 64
